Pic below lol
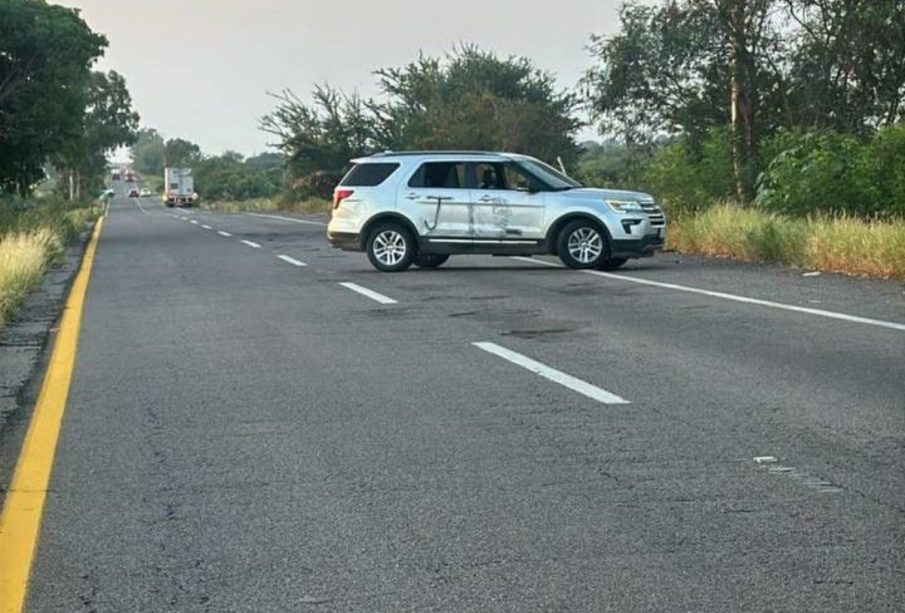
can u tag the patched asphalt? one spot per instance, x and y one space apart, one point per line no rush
246 435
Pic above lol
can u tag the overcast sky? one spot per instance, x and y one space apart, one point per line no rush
200 69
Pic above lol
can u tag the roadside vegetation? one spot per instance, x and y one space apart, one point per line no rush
33 235
59 120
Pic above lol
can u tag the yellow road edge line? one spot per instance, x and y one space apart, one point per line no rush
20 522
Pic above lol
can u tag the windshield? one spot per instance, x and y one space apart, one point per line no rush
549 175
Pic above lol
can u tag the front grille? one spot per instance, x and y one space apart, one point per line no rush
654 214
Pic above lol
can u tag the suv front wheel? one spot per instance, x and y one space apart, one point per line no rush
391 247
582 244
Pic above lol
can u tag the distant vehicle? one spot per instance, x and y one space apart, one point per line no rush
133 193
145 192
107 194
421 207
116 175
179 187
131 177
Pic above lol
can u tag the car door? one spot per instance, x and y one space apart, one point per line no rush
507 205
437 198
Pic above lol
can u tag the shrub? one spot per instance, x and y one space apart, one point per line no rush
883 171
818 172
686 176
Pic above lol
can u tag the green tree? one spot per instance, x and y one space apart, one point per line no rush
687 66
179 152
470 99
108 122
46 52
848 65
320 138
473 99
147 152
228 177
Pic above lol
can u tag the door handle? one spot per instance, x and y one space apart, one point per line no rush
412 196
489 199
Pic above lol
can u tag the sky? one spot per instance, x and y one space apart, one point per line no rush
201 69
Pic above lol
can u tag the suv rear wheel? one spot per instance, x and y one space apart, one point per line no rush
431 260
391 247
582 244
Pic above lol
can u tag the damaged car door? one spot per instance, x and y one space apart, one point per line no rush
507 203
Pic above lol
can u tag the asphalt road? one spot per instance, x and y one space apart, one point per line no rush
248 434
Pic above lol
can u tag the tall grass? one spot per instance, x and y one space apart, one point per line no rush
23 259
837 244
32 235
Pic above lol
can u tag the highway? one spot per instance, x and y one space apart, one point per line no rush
259 422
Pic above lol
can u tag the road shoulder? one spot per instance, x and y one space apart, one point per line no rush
25 347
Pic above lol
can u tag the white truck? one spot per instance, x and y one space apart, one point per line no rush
179 187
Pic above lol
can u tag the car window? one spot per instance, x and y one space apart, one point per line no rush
369 175
490 175
517 178
439 174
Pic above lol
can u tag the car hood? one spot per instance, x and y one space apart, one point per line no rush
597 193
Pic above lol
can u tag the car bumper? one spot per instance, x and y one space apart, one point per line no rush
637 248
347 241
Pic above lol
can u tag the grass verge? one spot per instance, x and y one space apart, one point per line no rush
33 234
270 205
838 244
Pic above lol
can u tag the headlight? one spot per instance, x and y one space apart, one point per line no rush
624 206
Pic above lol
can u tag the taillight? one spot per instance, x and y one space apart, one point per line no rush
339 195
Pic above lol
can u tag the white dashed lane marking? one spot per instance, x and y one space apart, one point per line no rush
292 219
291 260
369 293
724 296
557 376
206 227
251 244
223 233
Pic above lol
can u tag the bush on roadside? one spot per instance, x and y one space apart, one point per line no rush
686 176
883 171
32 234
818 173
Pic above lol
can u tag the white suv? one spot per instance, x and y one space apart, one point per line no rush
420 207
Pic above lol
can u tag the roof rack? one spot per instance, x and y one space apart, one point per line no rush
436 152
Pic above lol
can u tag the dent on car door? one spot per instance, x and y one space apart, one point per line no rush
505 205
436 192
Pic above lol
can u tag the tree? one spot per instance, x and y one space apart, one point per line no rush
470 99
319 139
108 122
848 65
45 56
688 66
179 152
147 152
745 28
664 73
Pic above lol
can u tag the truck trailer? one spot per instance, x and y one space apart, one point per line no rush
179 187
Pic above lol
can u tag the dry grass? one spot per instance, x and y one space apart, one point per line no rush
33 233
841 244
23 260
271 205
